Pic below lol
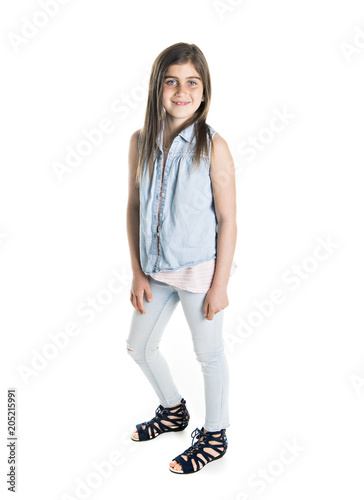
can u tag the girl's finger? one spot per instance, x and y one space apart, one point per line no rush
140 303
135 305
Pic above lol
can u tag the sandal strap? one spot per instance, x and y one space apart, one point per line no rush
162 413
197 447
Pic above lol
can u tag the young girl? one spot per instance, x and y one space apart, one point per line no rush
181 223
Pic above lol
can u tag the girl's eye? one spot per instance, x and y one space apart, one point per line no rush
173 81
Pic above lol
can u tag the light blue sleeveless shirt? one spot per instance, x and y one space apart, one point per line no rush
187 224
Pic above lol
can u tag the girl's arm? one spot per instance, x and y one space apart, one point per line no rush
140 280
132 215
222 173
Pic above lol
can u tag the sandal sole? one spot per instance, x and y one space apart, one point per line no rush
163 432
198 470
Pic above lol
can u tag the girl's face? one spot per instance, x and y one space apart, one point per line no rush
182 91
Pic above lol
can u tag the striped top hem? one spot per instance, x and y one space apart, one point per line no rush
197 279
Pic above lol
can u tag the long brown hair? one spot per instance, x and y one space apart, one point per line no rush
178 53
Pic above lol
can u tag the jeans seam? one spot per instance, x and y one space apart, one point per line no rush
150 333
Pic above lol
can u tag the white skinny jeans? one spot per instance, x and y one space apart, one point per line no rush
143 346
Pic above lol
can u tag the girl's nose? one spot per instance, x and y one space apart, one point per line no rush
181 91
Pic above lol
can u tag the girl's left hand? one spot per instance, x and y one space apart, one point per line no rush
216 300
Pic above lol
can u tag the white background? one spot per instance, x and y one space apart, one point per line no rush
298 376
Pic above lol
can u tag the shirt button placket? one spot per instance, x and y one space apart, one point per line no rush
155 220
156 234
162 185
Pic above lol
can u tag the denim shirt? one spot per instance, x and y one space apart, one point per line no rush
187 230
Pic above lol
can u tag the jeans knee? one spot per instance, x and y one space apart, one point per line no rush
131 351
206 362
146 354
209 358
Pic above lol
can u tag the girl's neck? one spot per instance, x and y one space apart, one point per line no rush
171 126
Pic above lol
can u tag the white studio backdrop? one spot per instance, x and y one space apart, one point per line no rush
287 96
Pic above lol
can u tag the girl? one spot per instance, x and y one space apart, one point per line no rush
181 224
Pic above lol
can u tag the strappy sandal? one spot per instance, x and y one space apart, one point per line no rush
197 452
177 419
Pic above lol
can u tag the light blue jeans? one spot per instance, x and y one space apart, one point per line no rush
143 346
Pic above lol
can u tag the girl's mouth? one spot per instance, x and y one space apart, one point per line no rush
181 103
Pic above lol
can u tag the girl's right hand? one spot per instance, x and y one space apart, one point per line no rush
140 284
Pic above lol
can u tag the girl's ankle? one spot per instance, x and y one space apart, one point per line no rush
174 406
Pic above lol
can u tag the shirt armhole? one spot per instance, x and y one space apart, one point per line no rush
213 133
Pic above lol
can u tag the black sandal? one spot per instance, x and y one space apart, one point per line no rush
178 416
194 452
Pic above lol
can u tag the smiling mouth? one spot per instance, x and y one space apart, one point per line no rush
181 103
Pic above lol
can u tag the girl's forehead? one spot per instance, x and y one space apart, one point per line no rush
187 69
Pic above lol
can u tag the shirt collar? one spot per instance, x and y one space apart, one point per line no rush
186 134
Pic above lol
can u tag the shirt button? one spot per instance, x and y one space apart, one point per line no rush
163 194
